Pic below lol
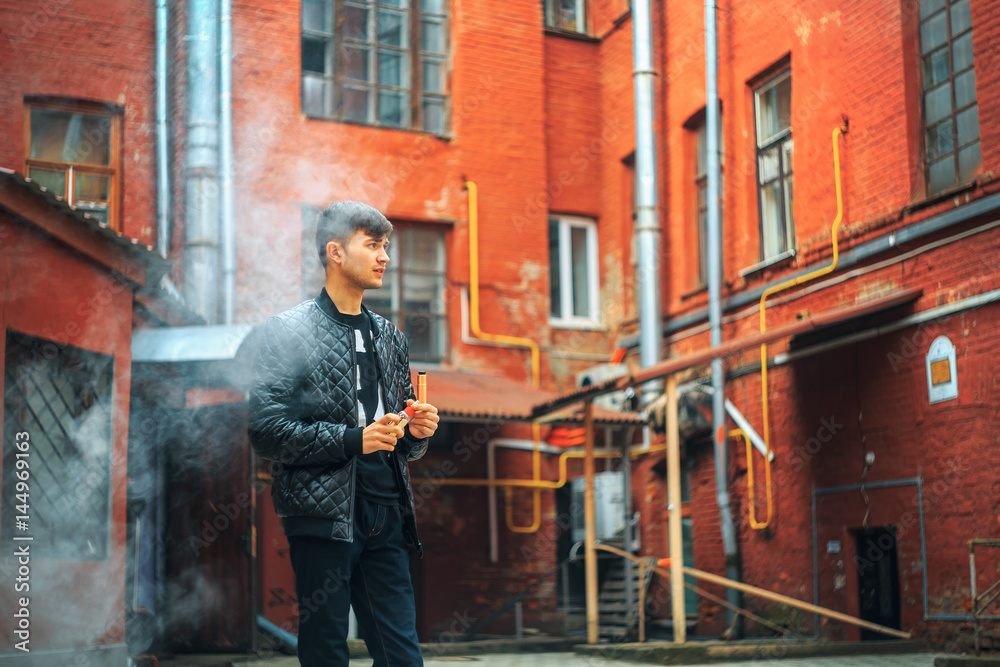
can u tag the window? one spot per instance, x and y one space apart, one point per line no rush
951 114
376 62
73 150
412 295
701 186
774 167
61 397
566 15
573 279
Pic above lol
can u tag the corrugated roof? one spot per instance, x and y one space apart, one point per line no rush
477 396
102 228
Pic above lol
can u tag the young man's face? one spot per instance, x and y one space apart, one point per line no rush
362 260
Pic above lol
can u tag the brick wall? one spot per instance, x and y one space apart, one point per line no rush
94 52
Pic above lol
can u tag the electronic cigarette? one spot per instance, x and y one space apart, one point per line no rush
422 387
404 416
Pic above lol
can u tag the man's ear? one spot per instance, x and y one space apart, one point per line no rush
334 252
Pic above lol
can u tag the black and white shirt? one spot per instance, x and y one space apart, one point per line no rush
376 475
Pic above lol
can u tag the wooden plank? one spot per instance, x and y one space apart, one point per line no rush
589 520
674 507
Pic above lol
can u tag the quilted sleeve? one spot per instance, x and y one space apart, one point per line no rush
414 448
276 428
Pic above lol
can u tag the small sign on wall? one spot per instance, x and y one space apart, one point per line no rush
942 381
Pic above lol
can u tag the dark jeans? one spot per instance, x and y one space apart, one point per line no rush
372 574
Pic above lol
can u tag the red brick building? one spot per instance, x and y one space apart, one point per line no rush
919 204
402 105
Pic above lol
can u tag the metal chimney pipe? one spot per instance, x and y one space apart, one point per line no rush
228 227
201 232
162 154
714 252
647 224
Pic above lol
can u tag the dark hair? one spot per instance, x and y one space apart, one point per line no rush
341 219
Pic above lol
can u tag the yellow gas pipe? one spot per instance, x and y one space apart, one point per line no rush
536 483
830 268
524 483
536 363
751 502
536 495
474 291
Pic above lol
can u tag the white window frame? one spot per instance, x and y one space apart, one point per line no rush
762 145
567 319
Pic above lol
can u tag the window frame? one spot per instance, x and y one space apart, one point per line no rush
700 131
566 319
72 169
396 274
417 55
551 11
776 141
925 128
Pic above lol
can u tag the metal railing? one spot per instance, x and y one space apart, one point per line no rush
981 602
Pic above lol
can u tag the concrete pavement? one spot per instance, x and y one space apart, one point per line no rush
562 652
573 659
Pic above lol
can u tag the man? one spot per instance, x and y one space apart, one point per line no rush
329 380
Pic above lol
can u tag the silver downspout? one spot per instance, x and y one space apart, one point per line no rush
228 227
714 252
647 224
201 233
162 154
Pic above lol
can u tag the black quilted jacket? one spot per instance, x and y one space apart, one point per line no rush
302 400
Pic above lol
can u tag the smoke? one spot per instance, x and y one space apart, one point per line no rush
57 492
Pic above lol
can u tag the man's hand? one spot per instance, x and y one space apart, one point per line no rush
425 420
381 435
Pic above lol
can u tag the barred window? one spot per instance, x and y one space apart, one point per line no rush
61 397
377 62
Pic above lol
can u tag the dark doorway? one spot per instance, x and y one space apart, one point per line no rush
878 579
572 580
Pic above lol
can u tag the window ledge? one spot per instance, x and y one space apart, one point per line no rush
950 192
694 291
578 325
767 263
329 119
572 34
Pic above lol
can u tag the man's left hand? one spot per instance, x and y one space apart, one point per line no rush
425 420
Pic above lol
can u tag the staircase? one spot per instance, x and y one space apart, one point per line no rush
620 622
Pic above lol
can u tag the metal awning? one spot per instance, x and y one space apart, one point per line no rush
465 396
185 344
821 320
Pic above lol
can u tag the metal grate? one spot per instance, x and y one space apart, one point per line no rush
61 396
